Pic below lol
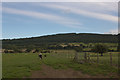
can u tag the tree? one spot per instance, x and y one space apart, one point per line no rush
37 50
17 51
28 50
118 48
5 51
77 49
100 48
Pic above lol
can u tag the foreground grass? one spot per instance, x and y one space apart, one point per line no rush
19 65
106 58
93 56
58 62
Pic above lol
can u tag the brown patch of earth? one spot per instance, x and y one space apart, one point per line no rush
49 72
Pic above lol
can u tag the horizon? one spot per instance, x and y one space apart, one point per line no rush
25 19
55 34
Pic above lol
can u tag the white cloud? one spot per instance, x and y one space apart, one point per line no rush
60 0
83 12
0 20
51 17
114 31
96 6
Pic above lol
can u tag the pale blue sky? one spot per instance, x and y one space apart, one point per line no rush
37 19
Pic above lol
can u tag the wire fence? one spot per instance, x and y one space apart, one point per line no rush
110 58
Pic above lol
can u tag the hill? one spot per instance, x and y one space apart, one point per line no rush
43 41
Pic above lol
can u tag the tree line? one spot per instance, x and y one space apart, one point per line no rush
45 42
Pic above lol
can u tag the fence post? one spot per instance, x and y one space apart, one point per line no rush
85 57
68 54
76 57
111 59
88 57
97 57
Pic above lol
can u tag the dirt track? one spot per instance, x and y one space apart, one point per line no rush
49 72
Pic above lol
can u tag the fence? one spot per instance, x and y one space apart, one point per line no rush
107 58
110 58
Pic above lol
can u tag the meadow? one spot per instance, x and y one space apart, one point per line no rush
20 65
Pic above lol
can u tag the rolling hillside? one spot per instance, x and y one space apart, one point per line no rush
62 38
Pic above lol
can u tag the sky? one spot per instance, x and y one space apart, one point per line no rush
31 19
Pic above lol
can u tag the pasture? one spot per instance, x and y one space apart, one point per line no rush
21 65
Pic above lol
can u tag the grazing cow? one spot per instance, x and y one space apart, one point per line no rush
40 55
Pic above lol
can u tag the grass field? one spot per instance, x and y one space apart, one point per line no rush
93 56
21 64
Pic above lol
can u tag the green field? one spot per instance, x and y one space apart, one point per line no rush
20 65
93 56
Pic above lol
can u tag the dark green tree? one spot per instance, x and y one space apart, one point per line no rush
78 48
17 51
5 51
100 48
37 50
118 47
28 50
